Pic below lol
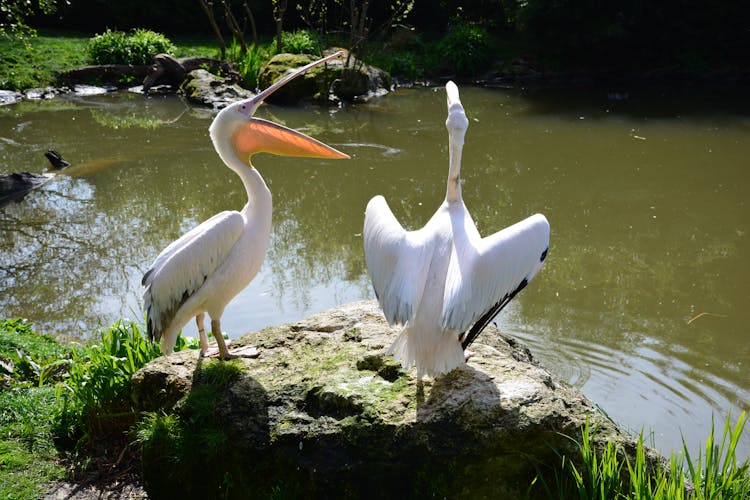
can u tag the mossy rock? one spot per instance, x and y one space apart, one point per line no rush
324 413
321 82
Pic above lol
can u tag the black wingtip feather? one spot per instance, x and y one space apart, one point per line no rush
481 324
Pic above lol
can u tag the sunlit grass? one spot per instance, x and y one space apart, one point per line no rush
714 474
28 459
34 62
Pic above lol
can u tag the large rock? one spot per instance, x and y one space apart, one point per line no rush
207 89
322 412
348 83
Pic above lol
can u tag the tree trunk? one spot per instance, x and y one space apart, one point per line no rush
233 25
279 8
207 6
253 29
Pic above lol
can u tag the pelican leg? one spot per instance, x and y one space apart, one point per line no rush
239 352
223 351
202 334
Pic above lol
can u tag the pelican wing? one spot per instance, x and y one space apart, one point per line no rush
397 260
486 273
183 267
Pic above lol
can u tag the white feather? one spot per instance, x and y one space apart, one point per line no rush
185 264
394 257
482 272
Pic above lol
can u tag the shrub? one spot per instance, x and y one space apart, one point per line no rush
117 47
99 383
467 48
299 42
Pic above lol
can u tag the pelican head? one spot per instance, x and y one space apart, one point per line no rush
236 131
457 124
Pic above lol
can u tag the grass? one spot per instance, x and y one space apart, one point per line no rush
28 458
56 398
28 358
610 474
34 62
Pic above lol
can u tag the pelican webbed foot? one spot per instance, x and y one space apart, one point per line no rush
247 351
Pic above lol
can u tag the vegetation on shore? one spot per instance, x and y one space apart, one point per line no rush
65 408
34 62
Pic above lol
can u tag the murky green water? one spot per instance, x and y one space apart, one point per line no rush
646 198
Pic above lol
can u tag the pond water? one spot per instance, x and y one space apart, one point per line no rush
642 303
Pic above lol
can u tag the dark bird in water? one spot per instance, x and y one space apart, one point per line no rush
15 186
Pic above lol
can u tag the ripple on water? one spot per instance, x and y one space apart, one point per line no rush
649 388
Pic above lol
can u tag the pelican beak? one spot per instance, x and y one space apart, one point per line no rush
262 136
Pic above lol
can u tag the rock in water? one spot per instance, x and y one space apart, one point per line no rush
323 413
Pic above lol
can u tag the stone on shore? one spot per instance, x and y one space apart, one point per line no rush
9 97
324 413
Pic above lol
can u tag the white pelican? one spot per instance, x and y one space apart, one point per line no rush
440 280
205 268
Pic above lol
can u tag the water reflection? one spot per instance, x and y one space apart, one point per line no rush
647 206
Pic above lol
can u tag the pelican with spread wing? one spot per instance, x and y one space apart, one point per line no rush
444 283
205 268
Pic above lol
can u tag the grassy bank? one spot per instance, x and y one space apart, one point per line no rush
67 415
35 62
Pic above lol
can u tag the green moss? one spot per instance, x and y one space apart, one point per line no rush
195 441
217 373
352 335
